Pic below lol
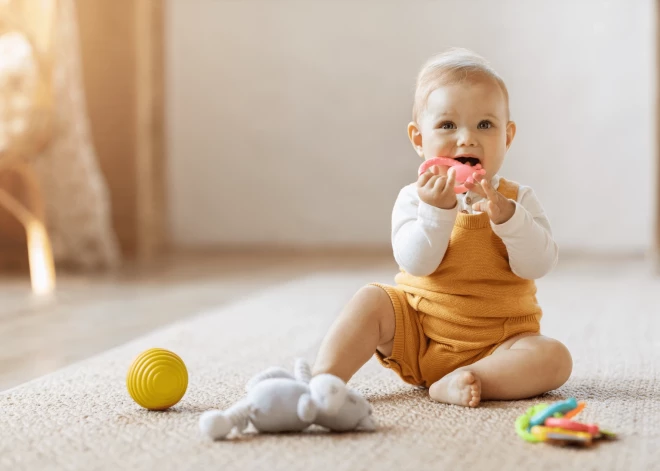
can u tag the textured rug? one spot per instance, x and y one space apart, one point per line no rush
82 417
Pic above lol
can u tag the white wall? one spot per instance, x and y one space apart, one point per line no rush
287 119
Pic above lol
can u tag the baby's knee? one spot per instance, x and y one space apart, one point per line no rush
373 304
371 299
562 359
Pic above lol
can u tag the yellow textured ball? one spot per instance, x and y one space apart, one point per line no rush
157 379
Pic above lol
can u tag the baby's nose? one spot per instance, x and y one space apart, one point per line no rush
466 139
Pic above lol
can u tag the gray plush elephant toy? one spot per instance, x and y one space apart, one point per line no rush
278 401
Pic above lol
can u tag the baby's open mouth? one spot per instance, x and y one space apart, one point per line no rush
471 161
465 167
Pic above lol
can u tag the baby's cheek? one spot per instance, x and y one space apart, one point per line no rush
437 147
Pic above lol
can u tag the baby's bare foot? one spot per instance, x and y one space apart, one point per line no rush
462 388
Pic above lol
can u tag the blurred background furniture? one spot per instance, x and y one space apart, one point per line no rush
27 125
85 171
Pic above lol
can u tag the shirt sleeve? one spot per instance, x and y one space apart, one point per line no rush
420 232
533 252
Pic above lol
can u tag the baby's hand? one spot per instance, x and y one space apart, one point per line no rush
437 190
499 208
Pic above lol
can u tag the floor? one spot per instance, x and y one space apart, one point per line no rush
604 310
91 314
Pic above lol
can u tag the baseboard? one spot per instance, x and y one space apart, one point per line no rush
285 249
378 250
571 255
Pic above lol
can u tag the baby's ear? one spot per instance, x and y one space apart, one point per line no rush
415 136
510 133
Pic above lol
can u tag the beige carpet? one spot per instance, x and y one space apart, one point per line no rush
82 417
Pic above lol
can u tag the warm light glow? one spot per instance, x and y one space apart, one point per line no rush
18 81
25 106
40 256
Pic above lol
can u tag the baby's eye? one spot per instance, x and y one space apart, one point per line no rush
447 125
485 124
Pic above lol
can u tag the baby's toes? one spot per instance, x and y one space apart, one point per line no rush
475 393
475 399
469 378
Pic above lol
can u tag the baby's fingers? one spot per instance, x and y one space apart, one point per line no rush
439 184
451 180
491 193
481 206
475 185
424 178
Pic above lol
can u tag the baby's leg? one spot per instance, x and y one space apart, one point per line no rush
523 367
366 324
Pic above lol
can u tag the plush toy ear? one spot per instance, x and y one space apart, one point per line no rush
302 371
328 392
307 409
272 372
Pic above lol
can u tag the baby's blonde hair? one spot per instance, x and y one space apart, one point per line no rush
453 66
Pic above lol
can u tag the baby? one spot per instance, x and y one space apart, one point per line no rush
463 319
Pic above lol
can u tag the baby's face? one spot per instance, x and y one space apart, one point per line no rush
467 122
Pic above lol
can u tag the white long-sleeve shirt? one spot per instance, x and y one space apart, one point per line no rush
421 232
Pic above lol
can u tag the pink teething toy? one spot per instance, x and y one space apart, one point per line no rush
464 172
568 424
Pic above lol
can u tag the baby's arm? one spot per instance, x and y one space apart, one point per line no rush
420 232
533 253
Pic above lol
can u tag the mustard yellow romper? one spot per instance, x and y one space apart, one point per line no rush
462 312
